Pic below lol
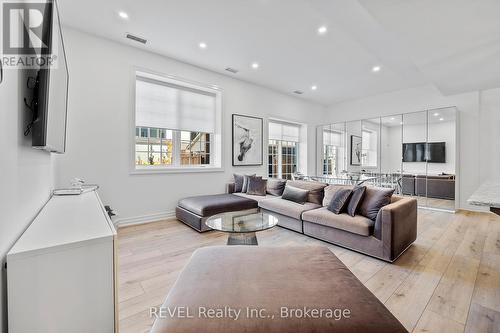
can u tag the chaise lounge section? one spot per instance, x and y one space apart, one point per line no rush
194 211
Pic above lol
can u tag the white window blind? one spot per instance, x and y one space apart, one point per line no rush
332 138
175 107
284 132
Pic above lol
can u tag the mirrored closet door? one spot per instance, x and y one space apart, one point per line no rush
413 153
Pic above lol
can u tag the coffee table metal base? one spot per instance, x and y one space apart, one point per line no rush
247 238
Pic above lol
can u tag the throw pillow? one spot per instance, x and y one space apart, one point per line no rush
316 189
238 182
330 191
340 200
356 197
295 194
275 186
256 186
375 198
244 185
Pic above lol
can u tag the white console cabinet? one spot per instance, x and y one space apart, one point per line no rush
61 272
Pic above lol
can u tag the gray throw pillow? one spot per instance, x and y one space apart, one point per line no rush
375 198
295 194
239 182
246 180
316 189
275 186
340 200
356 198
330 191
256 186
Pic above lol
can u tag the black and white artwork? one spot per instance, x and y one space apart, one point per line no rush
356 146
247 140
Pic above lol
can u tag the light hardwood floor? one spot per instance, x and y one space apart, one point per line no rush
447 281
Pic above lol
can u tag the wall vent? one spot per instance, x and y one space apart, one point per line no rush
232 70
137 38
298 92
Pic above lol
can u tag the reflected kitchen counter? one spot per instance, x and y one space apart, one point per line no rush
488 194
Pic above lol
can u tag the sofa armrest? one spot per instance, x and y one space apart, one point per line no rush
396 226
230 188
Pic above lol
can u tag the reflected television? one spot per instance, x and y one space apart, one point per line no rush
431 152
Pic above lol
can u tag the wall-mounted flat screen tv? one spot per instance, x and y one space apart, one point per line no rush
51 90
431 152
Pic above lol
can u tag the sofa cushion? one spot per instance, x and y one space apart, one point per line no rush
316 189
330 191
275 186
375 198
256 186
340 201
356 224
255 197
286 207
357 196
295 194
208 205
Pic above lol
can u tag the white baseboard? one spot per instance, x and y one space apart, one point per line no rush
128 221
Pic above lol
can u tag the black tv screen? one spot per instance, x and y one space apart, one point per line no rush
436 152
432 152
51 90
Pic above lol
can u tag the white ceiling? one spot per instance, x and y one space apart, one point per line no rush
454 44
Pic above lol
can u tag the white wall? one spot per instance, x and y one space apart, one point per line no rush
26 174
478 114
489 124
100 107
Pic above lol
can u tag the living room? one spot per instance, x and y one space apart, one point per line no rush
371 124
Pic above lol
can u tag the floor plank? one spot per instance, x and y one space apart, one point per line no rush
454 292
431 322
482 319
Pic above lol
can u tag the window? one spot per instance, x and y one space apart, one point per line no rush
330 160
332 144
177 125
369 149
283 149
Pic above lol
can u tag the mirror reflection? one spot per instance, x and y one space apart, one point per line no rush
413 153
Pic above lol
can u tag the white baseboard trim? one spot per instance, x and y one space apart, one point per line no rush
135 220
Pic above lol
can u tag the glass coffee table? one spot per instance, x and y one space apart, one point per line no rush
242 225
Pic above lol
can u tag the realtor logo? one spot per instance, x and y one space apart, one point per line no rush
27 29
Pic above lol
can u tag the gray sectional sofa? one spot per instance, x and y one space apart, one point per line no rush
386 237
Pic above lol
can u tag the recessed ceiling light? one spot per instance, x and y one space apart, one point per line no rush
376 69
441 119
393 118
202 45
322 30
255 65
400 123
314 87
436 114
123 15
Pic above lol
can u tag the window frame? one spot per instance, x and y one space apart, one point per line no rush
216 139
326 157
279 152
369 150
